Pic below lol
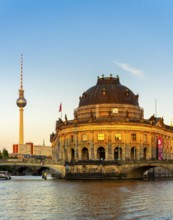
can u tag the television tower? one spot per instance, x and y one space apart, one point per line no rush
21 103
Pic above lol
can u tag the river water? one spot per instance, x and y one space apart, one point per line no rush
28 197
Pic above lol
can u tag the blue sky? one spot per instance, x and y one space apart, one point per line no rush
66 44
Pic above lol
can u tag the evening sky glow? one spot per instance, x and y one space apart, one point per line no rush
67 44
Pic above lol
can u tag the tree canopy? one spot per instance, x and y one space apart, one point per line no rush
4 153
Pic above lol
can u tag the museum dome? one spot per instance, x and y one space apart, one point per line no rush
108 90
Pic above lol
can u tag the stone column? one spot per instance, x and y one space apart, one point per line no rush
95 153
109 150
153 147
65 154
91 148
91 151
125 150
60 152
76 146
79 153
109 156
141 147
134 156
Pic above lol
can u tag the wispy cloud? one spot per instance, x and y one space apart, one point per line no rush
130 69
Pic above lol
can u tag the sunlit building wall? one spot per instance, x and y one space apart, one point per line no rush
109 125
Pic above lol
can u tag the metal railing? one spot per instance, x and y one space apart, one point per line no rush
115 162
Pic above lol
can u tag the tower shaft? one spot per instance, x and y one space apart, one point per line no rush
21 129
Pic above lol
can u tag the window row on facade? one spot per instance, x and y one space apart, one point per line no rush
120 137
117 153
103 136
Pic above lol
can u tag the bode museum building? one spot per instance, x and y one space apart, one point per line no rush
109 129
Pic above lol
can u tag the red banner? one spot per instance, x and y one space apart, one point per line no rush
60 107
160 148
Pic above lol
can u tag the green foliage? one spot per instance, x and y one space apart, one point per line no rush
5 153
1 156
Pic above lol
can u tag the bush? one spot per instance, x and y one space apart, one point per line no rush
5 153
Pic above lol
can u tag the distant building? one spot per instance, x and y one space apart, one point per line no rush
109 126
29 149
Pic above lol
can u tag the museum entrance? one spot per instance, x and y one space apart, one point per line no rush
85 154
145 153
133 153
72 155
101 153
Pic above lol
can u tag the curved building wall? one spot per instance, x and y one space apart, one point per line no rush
123 141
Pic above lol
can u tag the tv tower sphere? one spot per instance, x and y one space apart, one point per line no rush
21 102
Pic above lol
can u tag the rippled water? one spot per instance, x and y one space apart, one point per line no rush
24 198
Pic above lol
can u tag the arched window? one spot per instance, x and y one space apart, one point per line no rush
72 154
85 154
118 153
145 153
133 153
101 153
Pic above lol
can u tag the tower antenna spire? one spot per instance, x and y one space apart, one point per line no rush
21 72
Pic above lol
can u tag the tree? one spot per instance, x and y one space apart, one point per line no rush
5 153
1 156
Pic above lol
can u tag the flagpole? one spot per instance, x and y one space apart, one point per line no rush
60 109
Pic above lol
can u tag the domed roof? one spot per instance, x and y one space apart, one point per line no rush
108 90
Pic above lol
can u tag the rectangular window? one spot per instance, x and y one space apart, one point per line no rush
115 110
100 137
133 137
118 137
84 137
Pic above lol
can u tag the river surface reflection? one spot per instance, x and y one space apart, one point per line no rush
24 198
